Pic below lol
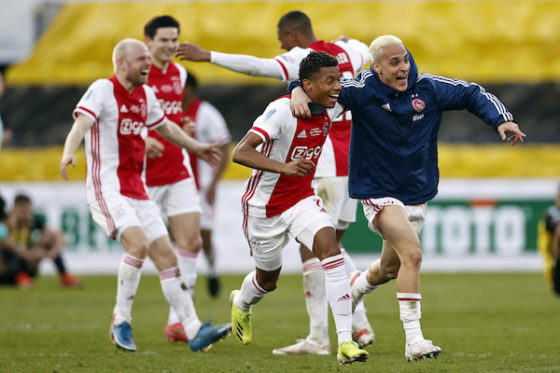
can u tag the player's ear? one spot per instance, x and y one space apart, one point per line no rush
376 67
306 84
147 40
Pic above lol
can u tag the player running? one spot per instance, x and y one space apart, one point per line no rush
111 115
296 35
280 203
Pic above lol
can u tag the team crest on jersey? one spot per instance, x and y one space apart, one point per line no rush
418 104
326 127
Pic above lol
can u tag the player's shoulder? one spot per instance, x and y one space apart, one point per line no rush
179 67
101 84
278 109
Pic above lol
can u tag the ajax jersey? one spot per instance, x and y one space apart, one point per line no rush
334 161
114 144
174 164
285 138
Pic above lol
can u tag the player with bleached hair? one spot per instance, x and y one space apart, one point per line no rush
393 169
296 36
280 203
111 116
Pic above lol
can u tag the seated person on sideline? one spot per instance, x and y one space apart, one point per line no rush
41 242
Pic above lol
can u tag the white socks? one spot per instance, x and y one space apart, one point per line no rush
338 294
128 278
362 284
251 293
316 300
409 305
359 318
187 265
180 301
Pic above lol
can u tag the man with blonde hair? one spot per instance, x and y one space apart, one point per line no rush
393 170
111 116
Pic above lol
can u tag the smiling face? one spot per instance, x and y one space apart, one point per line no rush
136 64
393 67
324 86
163 45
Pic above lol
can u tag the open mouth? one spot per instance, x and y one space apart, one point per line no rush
144 72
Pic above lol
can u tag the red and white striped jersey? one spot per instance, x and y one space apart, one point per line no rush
174 164
285 138
352 56
115 150
210 128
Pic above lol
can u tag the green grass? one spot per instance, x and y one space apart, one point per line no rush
483 322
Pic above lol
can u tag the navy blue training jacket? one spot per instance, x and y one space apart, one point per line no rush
393 146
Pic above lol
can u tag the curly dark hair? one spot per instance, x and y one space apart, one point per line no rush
313 62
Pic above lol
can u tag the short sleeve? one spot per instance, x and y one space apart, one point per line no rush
156 116
91 103
211 125
269 125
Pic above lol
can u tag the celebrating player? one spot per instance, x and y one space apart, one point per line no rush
393 164
296 35
111 115
169 176
279 202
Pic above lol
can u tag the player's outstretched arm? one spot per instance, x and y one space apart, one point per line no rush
207 152
245 153
81 125
241 63
511 127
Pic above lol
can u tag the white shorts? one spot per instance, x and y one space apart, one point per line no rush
267 236
334 193
177 198
207 214
416 213
117 212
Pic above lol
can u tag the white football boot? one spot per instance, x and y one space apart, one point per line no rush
305 346
421 349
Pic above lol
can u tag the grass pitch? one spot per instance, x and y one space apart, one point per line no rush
483 322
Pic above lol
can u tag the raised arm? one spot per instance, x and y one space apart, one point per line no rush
241 63
81 125
207 152
245 153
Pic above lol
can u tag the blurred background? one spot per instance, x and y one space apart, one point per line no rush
491 195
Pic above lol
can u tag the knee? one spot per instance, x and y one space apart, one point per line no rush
413 258
139 250
268 285
191 243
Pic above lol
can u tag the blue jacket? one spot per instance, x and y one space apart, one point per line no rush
393 146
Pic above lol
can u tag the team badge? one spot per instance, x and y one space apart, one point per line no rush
418 104
326 127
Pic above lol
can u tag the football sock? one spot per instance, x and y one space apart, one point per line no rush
359 318
211 260
187 265
179 300
410 313
251 293
316 299
338 294
362 284
128 278
59 264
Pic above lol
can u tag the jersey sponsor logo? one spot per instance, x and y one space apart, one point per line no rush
302 135
418 104
171 107
124 109
130 127
303 152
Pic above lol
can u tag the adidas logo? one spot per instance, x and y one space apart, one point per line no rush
344 297
302 135
124 109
